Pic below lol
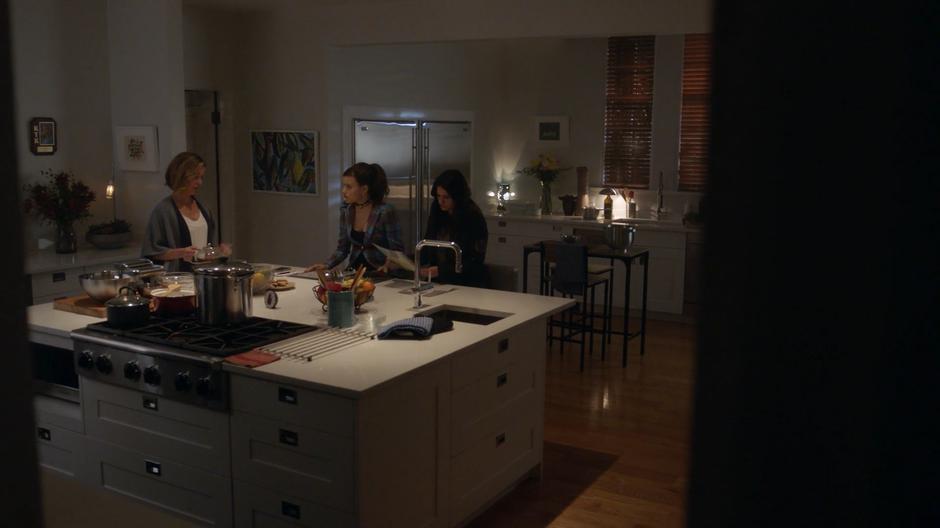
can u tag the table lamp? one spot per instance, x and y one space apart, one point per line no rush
502 194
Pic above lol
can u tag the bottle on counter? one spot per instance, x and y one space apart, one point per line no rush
631 205
608 202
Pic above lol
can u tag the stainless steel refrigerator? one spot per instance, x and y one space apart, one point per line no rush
413 154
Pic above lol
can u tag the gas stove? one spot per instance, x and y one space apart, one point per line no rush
177 358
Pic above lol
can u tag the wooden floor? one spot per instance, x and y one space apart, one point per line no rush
616 440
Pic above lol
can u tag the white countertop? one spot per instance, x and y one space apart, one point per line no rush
40 261
673 224
355 370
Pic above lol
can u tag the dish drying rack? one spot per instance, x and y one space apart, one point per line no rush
317 344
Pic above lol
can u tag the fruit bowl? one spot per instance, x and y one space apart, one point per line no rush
363 291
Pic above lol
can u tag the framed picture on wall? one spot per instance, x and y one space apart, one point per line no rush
137 148
284 161
42 136
551 131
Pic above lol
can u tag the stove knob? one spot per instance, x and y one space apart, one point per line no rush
103 363
132 370
152 375
204 386
182 381
86 360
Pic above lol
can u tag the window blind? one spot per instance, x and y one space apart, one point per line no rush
695 119
628 115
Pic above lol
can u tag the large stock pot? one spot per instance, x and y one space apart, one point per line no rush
223 292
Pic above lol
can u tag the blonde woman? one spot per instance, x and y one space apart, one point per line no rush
179 225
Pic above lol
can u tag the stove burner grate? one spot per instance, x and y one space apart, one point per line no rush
189 334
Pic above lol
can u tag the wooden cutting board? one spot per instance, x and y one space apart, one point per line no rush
81 304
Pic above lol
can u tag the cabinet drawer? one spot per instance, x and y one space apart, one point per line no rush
312 409
61 413
257 507
289 458
659 239
482 409
533 228
61 450
490 465
162 427
495 353
56 283
196 495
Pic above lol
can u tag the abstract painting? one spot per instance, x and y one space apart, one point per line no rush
284 161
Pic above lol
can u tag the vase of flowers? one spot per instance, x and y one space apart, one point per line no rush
545 168
62 201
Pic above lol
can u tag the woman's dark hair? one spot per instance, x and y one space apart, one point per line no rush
456 186
372 175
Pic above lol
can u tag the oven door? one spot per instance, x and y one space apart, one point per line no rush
54 372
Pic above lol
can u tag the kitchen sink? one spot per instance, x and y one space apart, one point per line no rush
463 314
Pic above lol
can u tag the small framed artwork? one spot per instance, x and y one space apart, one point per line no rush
284 161
137 148
42 136
551 131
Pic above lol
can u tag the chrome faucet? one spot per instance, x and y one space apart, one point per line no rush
458 267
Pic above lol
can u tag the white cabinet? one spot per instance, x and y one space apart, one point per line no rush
433 448
51 285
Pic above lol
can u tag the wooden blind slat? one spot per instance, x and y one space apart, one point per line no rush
628 116
696 120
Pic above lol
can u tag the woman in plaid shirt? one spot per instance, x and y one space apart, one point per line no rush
365 220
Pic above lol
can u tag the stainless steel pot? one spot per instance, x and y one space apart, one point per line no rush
223 292
619 236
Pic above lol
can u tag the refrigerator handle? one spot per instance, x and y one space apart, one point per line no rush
413 188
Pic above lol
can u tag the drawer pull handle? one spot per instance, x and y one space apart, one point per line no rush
503 346
151 403
500 439
44 434
291 510
153 468
502 379
287 395
58 276
501 223
288 437
501 240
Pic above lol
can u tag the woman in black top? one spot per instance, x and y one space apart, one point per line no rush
455 217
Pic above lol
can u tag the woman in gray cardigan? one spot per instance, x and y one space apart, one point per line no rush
179 225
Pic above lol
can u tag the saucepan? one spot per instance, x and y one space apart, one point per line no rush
128 309
175 294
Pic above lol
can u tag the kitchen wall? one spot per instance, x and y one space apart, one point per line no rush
303 63
211 62
146 68
60 60
292 65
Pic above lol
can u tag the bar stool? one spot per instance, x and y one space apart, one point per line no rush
564 269
593 237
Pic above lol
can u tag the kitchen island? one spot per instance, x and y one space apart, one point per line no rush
380 433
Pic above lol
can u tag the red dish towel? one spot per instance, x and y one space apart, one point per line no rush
253 358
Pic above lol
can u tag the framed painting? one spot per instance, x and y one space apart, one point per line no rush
42 136
137 148
551 131
284 161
